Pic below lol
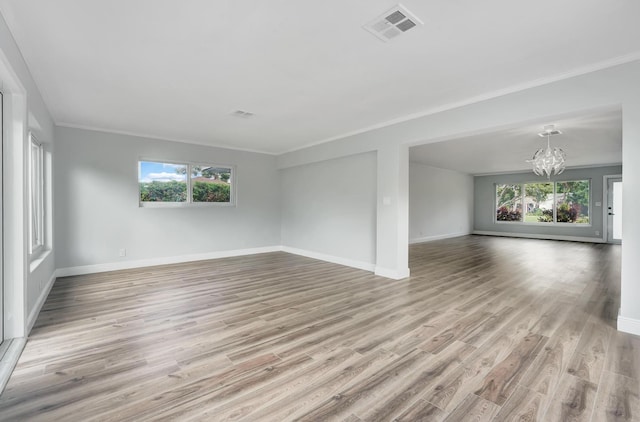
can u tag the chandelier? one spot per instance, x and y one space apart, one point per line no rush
548 161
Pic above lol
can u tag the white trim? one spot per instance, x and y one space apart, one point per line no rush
114 266
628 325
616 61
605 206
541 236
437 237
33 315
330 258
392 273
10 360
159 137
527 170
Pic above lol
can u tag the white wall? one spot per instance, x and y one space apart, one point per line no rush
26 283
329 209
96 185
612 85
440 203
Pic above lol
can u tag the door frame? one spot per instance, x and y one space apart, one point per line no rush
2 292
605 205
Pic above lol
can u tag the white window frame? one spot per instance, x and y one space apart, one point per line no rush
189 174
555 204
36 196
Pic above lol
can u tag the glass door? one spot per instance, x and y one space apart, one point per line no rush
614 210
1 220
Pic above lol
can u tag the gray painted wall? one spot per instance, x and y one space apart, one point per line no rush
97 211
485 203
330 207
26 278
440 203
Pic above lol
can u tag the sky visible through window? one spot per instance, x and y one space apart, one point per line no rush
162 172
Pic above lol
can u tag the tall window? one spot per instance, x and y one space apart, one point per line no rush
509 202
184 183
36 195
572 202
545 202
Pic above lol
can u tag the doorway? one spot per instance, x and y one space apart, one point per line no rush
614 209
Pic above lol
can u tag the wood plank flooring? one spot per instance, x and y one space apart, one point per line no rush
486 329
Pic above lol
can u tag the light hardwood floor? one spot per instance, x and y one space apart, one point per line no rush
486 329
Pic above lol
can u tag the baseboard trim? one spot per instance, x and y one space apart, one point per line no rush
437 237
126 265
392 273
10 360
628 325
330 258
541 236
33 316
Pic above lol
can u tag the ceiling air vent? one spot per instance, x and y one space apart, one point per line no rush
242 114
394 22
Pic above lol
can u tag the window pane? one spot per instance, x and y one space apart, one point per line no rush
509 202
539 202
572 199
36 197
162 182
211 184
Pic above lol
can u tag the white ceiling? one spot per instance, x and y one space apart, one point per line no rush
176 69
592 138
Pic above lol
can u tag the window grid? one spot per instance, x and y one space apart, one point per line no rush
166 183
521 203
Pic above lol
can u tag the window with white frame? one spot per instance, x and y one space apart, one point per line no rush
175 183
36 195
544 202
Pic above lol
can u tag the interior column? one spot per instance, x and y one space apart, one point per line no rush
392 235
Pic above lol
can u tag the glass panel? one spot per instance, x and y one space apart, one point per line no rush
508 202
211 184
617 210
538 199
572 199
162 182
36 197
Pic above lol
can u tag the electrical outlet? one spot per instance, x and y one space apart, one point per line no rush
123 252
597 233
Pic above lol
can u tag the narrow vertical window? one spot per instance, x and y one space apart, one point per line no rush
36 195
509 202
538 202
572 202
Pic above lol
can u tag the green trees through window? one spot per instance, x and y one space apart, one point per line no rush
184 183
547 202
509 202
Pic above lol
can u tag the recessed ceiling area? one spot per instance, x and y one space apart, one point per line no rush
307 70
590 139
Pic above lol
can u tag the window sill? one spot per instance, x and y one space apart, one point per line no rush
532 224
38 258
185 204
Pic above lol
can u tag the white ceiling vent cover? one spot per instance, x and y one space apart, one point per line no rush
242 114
392 23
